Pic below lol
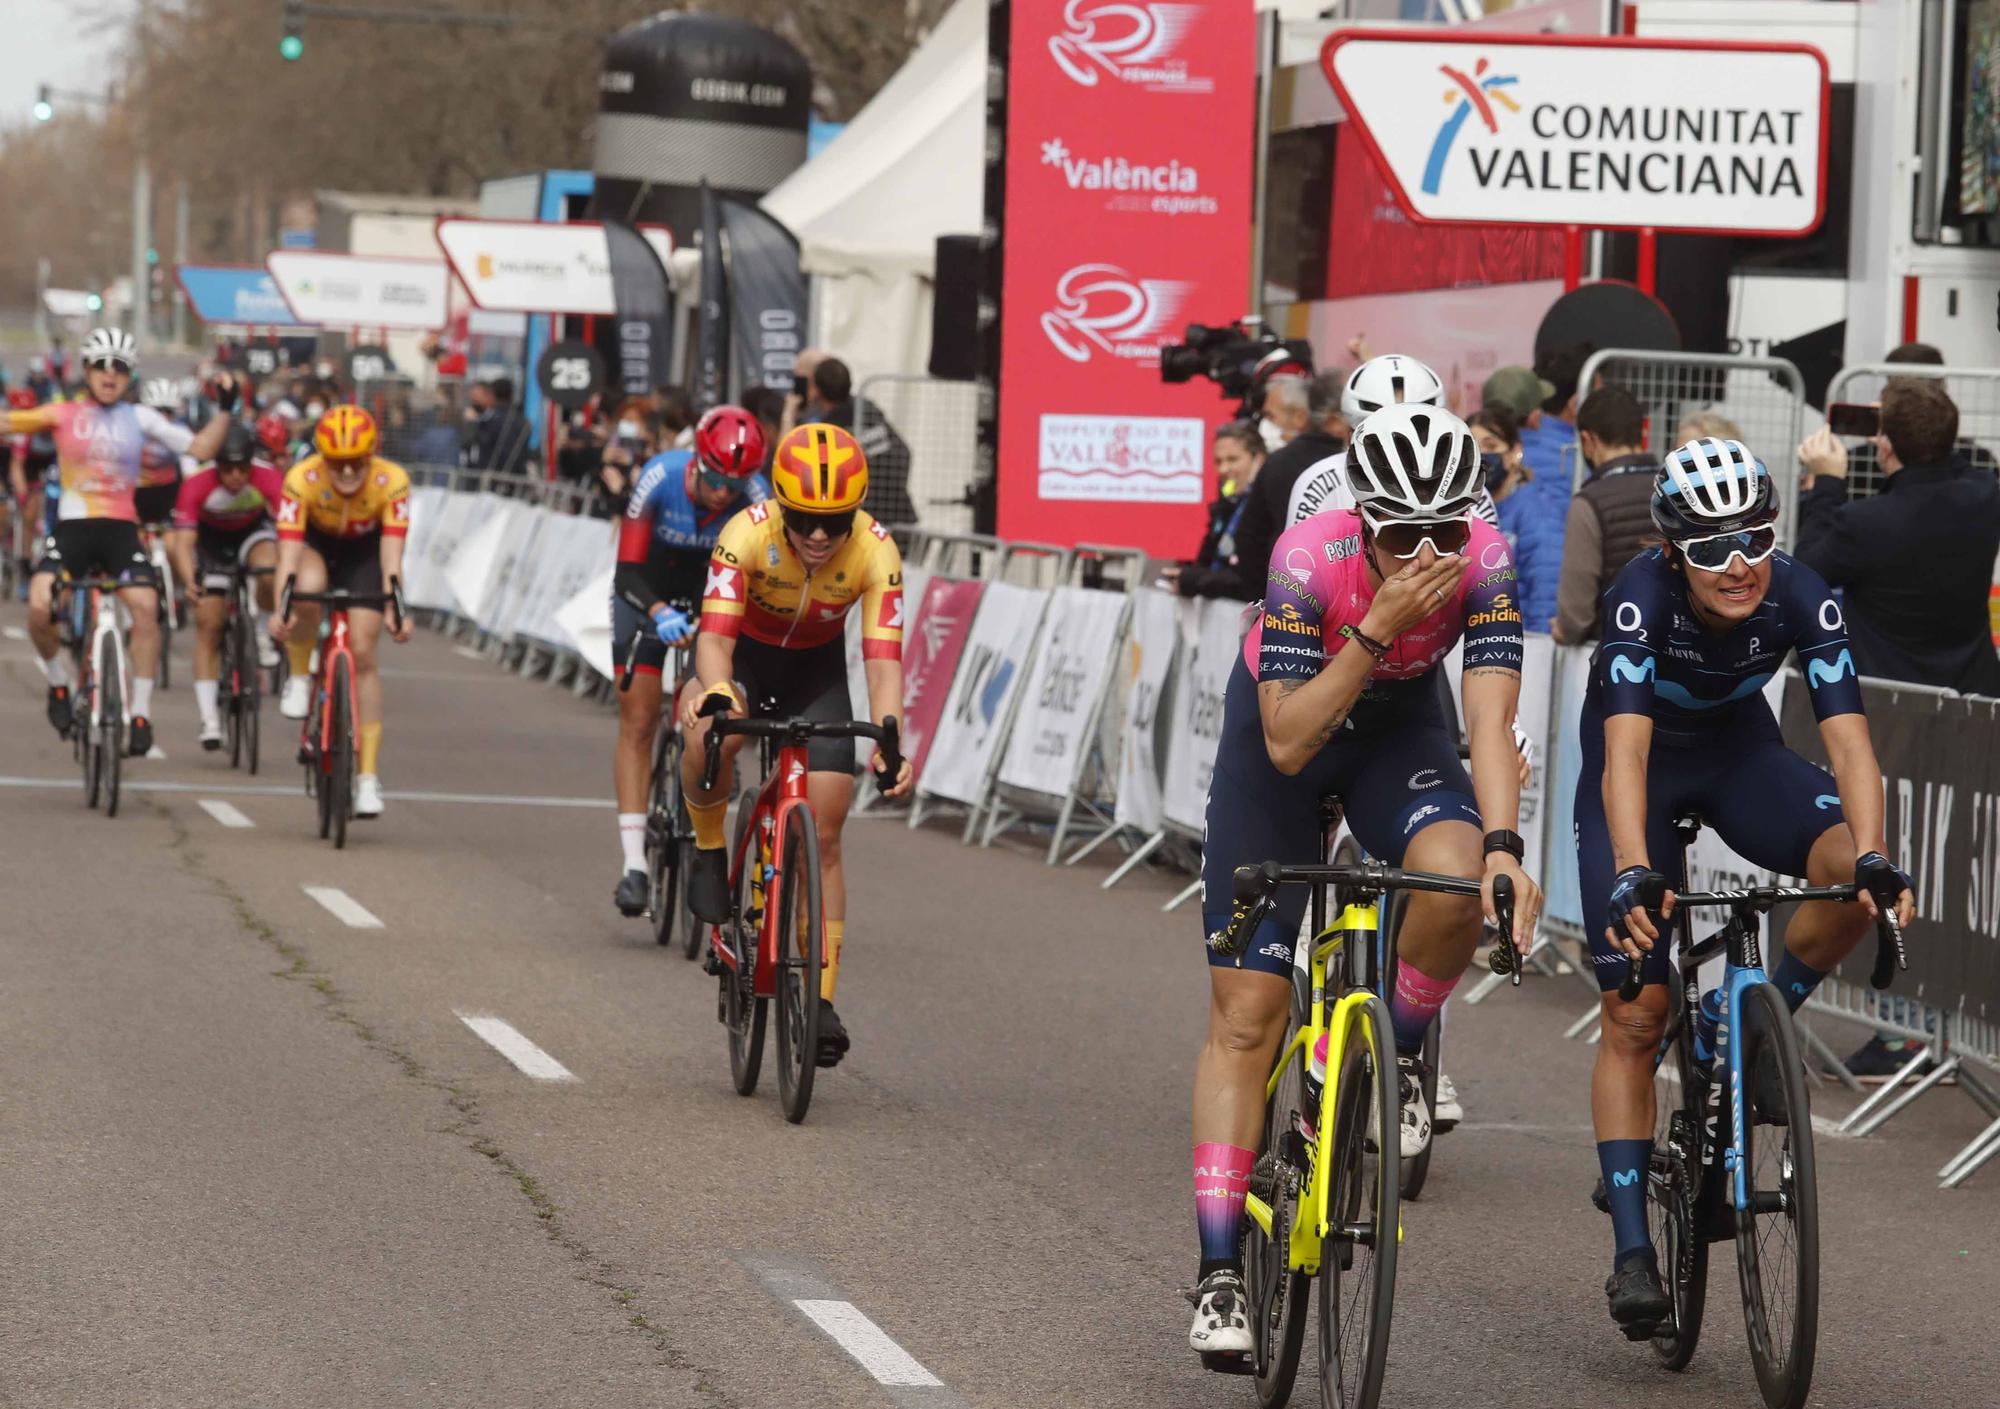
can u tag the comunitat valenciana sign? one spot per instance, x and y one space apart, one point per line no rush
520 266
1609 133
361 291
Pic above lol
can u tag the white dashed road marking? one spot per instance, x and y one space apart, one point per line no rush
345 907
227 815
867 1342
13 633
506 1039
157 754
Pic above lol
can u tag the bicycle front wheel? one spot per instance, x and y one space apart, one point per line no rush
1777 1236
801 931
743 1013
111 733
662 865
340 782
1357 1269
1679 1241
1277 1294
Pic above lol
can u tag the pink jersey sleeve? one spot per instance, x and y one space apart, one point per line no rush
187 504
264 477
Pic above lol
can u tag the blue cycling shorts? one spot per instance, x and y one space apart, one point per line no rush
1769 804
1394 778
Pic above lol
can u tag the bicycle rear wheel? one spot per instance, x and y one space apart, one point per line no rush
1777 1237
111 732
83 732
801 931
249 686
1357 1269
662 864
1278 1296
1670 1189
743 1013
340 782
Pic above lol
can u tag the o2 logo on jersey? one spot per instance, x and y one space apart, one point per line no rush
1830 618
1103 308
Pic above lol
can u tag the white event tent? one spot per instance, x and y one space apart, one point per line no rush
868 210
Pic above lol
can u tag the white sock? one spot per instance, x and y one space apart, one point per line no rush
204 700
142 698
632 839
56 669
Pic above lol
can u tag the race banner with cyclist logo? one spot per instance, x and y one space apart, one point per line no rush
1197 731
1148 655
931 651
1127 217
1045 752
980 707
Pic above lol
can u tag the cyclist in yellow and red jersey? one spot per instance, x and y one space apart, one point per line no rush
781 581
99 438
343 520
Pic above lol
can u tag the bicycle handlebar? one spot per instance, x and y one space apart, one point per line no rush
368 601
1256 888
1889 952
887 735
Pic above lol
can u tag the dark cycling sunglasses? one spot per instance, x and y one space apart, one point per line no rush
835 525
1713 554
1405 540
720 483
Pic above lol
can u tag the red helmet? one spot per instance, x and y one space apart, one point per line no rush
275 431
22 399
729 441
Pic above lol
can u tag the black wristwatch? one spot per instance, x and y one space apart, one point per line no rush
1501 839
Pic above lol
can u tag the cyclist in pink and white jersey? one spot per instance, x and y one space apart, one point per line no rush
98 441
1337 694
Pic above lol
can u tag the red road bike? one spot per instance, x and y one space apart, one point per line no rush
774 944
327 742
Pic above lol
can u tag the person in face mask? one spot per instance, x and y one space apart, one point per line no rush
633 441
1497 432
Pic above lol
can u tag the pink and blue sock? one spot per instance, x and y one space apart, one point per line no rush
1624 1164
1414 1006
1795 979
1221 1183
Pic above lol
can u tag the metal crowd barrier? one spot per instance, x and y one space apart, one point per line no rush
1975 390
939 421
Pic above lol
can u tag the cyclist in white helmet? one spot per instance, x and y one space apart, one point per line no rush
99 438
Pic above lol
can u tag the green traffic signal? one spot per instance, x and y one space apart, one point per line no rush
291 48
94 303
44 110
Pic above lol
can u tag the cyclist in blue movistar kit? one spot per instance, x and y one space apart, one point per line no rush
677 510
1675 720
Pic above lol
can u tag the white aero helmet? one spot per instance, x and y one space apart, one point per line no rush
110 347
160 394
1413 464
1389 380
1709 487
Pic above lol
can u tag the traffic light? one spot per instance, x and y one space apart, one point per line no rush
44 109
292 46
95 303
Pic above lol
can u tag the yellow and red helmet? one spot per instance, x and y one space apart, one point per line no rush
346 433
819 469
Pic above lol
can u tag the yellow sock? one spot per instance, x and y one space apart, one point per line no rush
371 746
300 649
828 976
709 820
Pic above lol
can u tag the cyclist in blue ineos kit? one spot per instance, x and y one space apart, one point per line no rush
1674 720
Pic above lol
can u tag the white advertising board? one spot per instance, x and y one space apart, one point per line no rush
1079 649
1198 711
1148 654
990 671
1608 133
521 266
361 291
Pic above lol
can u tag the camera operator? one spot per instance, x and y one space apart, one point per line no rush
1916 560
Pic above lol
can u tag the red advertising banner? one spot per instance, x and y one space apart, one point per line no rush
1130 129
930 659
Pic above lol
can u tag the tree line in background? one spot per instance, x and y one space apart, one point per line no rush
378 107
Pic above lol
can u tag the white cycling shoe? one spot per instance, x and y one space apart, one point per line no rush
297 698
211 734
1221 1315
367 796
267 652
1416 1135
1448 1112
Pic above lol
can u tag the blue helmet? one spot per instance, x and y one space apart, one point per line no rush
1712 486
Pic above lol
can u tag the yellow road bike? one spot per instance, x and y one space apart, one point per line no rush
1324 1197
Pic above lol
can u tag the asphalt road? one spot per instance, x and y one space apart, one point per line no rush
254 1154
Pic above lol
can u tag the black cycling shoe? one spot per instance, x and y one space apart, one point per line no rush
60 713
1597 1199
1638 1302
833 1043
708 885
632 893
141 736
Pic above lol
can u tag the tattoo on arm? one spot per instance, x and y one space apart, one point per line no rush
1332 726
1492 670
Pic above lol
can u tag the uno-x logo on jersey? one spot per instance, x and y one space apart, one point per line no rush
1628 671
1475 92
1130 43
399 512
760 511
1819 672
723 583
1287 618
1103 307
288 511
892 612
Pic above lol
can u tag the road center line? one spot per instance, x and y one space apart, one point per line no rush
867 1342
276 790
506 1039
225 813
345 908
13 633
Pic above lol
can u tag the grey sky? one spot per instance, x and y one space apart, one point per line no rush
62 43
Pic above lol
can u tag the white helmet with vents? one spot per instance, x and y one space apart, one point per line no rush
1710 487
110 347
160 394
1413 464
1389 380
